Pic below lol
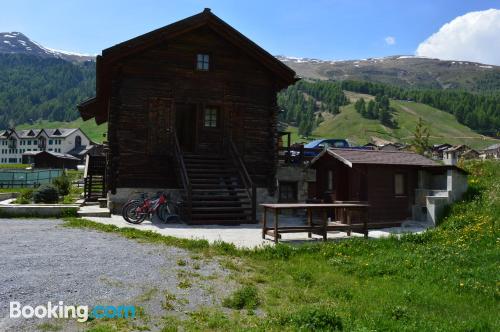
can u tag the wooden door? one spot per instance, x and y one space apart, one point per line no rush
186 126
160 121
211 126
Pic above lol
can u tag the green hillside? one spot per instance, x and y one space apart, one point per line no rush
443 126
90 128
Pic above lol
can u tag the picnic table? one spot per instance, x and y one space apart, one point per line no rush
344 210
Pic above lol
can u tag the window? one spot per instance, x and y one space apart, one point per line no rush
202 62
210 118
288 192
330 180
12 143
399 184
78 141
50 142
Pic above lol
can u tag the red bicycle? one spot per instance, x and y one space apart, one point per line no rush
135 211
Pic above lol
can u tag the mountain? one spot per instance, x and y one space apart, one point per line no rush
18 43
403 71
48 88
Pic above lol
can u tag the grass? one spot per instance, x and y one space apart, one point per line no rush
243 298
90 128
445 279
444 128
14 166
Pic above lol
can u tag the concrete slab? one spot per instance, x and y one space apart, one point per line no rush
249 235
93 211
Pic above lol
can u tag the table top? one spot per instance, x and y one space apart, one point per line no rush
305 205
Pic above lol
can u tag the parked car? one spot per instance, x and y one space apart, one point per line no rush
314 148
324 144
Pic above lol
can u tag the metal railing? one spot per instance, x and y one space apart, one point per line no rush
183 174
297 155
27 178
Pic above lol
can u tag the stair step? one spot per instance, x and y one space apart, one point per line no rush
214 186
216 180
218 209
224 170
207 161
195 216
198 203
203 156
206 198
219 190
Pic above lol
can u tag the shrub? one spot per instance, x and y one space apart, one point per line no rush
46 194
244 298
63 184
25 197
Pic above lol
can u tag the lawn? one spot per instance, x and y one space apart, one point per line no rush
446 279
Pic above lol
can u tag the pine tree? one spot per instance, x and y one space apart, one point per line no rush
420 139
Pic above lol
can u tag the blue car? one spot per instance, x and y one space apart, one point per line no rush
324 144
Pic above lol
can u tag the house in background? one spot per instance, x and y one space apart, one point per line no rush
437 150
14 143
491 152
46 159
191 109
397 185
452 155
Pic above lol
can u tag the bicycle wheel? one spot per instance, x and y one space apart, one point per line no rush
124 215
166 212
132 214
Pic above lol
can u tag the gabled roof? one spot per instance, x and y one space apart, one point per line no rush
96 107
54 154
493 147
352 157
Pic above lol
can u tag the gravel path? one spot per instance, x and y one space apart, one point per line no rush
41 261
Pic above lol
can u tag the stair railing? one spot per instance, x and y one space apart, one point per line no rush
186 183
245 176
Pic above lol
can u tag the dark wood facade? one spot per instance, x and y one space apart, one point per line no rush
152 93
44 159
339 179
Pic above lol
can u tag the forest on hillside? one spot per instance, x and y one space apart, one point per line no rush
33 88
480 112
303 103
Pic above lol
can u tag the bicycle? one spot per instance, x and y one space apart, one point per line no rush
135 211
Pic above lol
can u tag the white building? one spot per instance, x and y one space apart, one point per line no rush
13 143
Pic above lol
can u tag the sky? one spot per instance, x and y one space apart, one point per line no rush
322 29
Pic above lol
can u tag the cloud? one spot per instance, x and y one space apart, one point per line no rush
474 36
390 40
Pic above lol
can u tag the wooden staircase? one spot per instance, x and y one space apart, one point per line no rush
217 187
218 195
94 178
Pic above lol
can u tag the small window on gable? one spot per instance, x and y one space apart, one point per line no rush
202 62
399 184
210 118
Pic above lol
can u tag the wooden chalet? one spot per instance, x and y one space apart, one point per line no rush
191 107
49 159
386 180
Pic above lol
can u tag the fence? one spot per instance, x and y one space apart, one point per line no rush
27 178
